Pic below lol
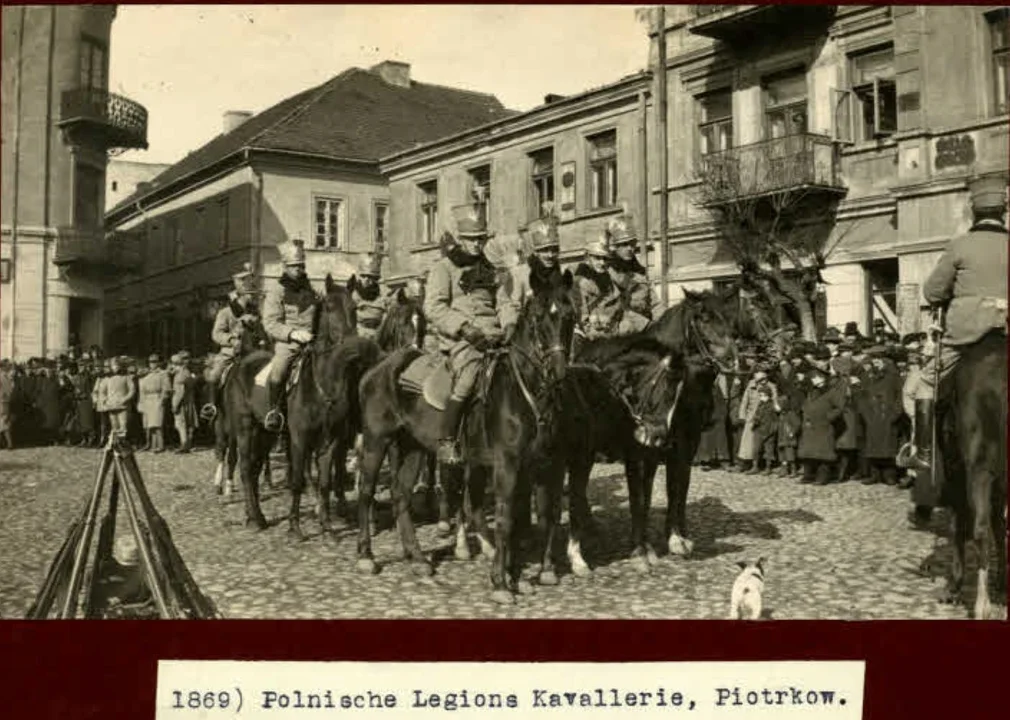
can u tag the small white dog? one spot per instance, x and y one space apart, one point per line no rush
745 599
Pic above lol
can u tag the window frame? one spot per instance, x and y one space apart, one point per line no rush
427 206
223 223
383 247
542 176
474 182
177 246
90 44
341 223
998 56
871 91
702 125
608 162
786 108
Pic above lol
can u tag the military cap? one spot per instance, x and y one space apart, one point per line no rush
153 358
988 192
469 221
183 355
244 280
370 265
292 252
621 229
543 232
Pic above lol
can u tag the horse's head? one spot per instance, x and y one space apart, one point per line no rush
546 323
403 325
709 328
337 317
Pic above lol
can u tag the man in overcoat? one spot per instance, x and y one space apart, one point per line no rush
183 401
370 303
229 325
155 388
629 276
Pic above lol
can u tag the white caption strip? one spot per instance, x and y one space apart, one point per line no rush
193 690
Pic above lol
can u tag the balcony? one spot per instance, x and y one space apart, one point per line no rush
803 162
97 117
96 251
746 23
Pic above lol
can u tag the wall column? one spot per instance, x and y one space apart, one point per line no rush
58 324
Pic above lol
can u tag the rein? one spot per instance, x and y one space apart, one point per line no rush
511 353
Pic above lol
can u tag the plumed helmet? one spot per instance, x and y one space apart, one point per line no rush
370 265
543 232
988 192
504 251
598 247
469 222
244 280
621 229
292 252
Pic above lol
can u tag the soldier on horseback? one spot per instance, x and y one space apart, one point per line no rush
229 324
461 303
514 287
289 310
628 275
600 304
971 279
371 305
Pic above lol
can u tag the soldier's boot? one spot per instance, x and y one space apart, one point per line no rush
923 458
147 438
844 465
448 450
273 421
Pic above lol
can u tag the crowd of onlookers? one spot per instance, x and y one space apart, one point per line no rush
79 398
826 412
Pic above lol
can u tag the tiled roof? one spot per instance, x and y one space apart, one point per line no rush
355 116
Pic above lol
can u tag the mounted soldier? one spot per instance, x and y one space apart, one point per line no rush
289 310
971 280
230 323
628 275
544 244
600 300
369 302
460 303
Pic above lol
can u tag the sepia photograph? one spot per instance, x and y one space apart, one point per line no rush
675 312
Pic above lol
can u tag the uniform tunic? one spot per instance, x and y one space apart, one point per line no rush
600 301
370 306
227 335
120 391
155 388
632 283
183 406
288 306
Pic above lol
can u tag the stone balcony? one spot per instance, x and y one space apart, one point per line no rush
795 162
739 23
97 251
98 117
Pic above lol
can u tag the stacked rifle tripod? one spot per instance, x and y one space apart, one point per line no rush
159 585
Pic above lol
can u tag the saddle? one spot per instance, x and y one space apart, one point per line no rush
430 376
294 372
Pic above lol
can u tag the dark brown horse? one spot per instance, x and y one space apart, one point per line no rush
321 409
973 447
643 399
510 425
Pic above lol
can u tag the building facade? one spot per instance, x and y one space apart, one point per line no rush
59 123
305 168
585 154
124 178
882 112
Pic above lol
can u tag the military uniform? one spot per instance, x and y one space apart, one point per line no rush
514 284
629 277
183 407
155 389
971 277
229 325
369 302
120 391
460 303
600 299
289 311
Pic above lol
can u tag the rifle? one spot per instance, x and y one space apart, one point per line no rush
939 320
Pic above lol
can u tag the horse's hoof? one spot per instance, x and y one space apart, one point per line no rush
257 524
503 597
366 566
219 490
651 557
525 587
680 546
422 568
640 563
548 577
948 596
581 569
462 552
296 534
444 528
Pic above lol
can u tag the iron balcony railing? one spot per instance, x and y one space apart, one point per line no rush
711 9
123 121
112 251
793 161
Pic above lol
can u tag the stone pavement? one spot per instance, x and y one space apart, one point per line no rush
838 552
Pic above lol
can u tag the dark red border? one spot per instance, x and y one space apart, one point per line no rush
107 670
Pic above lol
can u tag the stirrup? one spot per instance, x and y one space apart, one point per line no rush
278 420
208 412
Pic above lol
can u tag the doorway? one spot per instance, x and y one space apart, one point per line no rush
882 276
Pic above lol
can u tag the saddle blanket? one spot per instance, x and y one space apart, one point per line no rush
264 375
431 376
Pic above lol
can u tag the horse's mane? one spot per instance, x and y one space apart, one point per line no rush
625 351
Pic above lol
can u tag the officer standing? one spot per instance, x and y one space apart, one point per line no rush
183 406
154 388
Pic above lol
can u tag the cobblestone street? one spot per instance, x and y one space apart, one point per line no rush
842 552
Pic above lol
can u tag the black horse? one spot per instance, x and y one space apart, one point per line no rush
643 399
973 447
322 408
510 425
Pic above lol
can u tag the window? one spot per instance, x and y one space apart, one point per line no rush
543 179
87 196
603 170
200 231
93 70
329 223
177 246
5 271
480 187
785 102
429 212
223 223
715 121
999 40
869 108
381 227
115 186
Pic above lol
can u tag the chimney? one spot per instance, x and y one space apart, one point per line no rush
233 118
552 98
393 72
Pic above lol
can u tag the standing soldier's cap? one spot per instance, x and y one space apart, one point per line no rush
543 232
176 359
292 252
183 355
469 222
370 265
153 358
621 229
988 192
244 280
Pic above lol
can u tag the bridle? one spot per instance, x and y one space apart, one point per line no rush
696 338
537 358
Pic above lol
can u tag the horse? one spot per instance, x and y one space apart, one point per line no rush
253 337
973 431
669 368
321 408
504 431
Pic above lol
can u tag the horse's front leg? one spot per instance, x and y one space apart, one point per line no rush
955 580
327 460
246 447
402 486
502 576
678 481
635 471
981 492
549 488
299 455
579 517
472 503
373 451
650 462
